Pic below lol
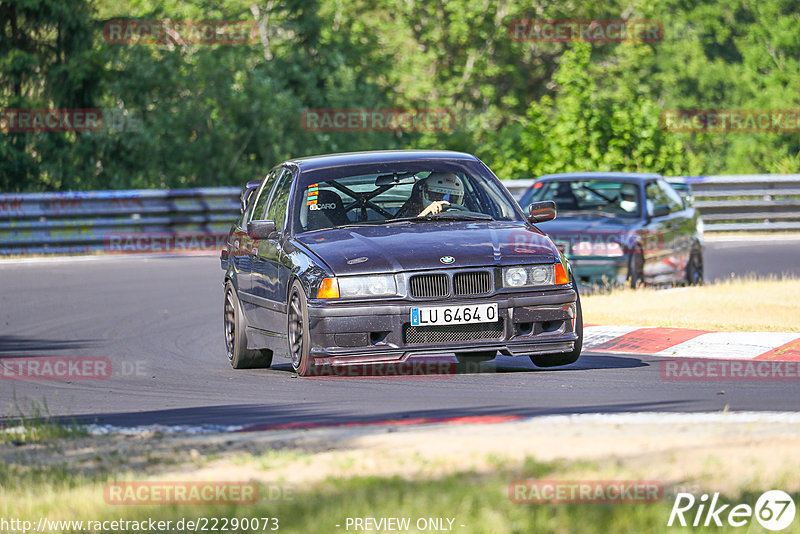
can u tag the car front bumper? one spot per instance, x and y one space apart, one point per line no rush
539 322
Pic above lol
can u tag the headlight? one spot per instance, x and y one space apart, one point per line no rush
598 248
529 276
367 286
610 249
515 277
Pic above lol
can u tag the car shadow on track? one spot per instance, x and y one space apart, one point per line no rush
276 416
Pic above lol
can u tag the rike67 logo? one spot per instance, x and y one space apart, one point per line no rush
774 510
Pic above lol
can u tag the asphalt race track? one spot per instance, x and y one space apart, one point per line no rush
763 257
159 322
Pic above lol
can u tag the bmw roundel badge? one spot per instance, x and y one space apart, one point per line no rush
447 260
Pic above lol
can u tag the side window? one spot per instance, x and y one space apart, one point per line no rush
276 211
673 198
256 210
655 197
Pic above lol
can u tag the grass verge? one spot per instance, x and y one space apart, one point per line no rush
310 485
469 501
756 305
34 423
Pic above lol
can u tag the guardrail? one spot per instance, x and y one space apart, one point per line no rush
760 202
83 221
39 223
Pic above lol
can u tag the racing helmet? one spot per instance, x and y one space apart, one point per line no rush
443 186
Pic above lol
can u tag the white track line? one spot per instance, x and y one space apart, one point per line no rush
105 257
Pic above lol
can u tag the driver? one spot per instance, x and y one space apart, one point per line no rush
432 194
627 198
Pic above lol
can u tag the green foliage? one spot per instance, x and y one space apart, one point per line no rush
33 423
588 128
206 115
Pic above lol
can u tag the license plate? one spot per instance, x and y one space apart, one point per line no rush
478 313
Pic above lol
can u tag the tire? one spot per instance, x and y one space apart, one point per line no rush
564 358
636 270
475 357
297 329
234 324
694 269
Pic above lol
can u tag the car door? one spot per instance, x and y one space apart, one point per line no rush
270 272
661 263
242 246
681 226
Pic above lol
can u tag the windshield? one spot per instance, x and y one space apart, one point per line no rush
401 194
620 199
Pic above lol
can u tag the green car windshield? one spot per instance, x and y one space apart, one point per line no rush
602 197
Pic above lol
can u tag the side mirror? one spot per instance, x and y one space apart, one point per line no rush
661 210
261 229
542 211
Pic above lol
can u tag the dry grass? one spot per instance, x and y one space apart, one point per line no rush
761 305
405 473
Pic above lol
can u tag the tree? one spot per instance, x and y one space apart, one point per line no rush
588 128
46 61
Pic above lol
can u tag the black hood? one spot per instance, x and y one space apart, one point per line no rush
422 245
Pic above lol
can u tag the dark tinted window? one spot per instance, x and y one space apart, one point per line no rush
658 196
256 210
280 199
674 198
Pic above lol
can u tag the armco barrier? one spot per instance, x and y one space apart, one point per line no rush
751 202
82 221
755 202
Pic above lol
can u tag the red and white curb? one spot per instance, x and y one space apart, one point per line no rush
287 429
689 343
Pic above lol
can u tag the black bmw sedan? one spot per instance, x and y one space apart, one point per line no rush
380 256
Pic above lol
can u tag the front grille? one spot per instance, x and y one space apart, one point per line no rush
429 285
472 283
452 333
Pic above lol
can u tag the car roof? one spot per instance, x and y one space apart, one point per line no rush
626 176
376 156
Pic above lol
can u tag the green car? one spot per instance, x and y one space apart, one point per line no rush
623 228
